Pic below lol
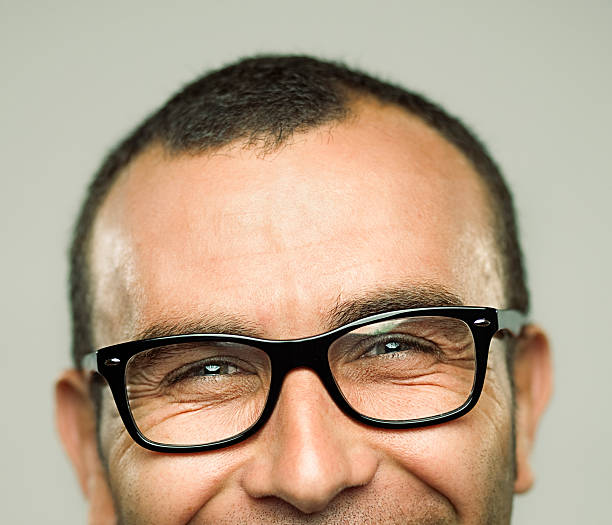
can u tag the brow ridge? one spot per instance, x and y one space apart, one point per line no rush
343 311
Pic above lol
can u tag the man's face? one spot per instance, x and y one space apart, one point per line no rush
374 205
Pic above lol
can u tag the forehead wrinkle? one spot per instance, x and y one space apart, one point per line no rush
296 248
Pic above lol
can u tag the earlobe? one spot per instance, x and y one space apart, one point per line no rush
533 378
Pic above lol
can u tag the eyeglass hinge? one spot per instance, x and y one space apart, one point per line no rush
481 323
112 362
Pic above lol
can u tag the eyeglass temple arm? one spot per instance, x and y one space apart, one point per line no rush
511 321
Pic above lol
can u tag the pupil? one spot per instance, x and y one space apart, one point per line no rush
212 368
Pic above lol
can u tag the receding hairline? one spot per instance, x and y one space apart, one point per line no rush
356 104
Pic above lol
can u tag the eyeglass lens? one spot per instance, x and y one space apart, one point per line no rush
397 370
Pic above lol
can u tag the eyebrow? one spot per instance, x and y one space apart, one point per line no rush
216 324
387 300
343 311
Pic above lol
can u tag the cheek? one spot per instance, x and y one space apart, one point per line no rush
469 461
165 489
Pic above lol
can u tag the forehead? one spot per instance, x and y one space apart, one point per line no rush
377 200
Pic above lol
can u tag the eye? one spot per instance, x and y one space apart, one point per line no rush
210 369
397 344
213 369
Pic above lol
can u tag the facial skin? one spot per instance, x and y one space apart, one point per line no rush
378 202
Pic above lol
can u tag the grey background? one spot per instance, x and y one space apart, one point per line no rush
532 78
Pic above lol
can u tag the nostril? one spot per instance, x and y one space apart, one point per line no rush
310 478
312 485
312 504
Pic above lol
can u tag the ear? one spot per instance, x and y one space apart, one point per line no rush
533 379
76 423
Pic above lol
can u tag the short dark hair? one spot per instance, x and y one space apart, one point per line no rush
262 101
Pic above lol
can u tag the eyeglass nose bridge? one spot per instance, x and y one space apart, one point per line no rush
312 354
306 353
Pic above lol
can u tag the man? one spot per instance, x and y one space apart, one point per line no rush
282 198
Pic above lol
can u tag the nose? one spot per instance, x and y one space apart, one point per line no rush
309 451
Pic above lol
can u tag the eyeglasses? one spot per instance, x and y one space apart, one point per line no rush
401 369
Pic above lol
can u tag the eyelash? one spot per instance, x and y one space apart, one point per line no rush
421 345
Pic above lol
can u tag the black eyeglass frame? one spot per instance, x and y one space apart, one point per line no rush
310 352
